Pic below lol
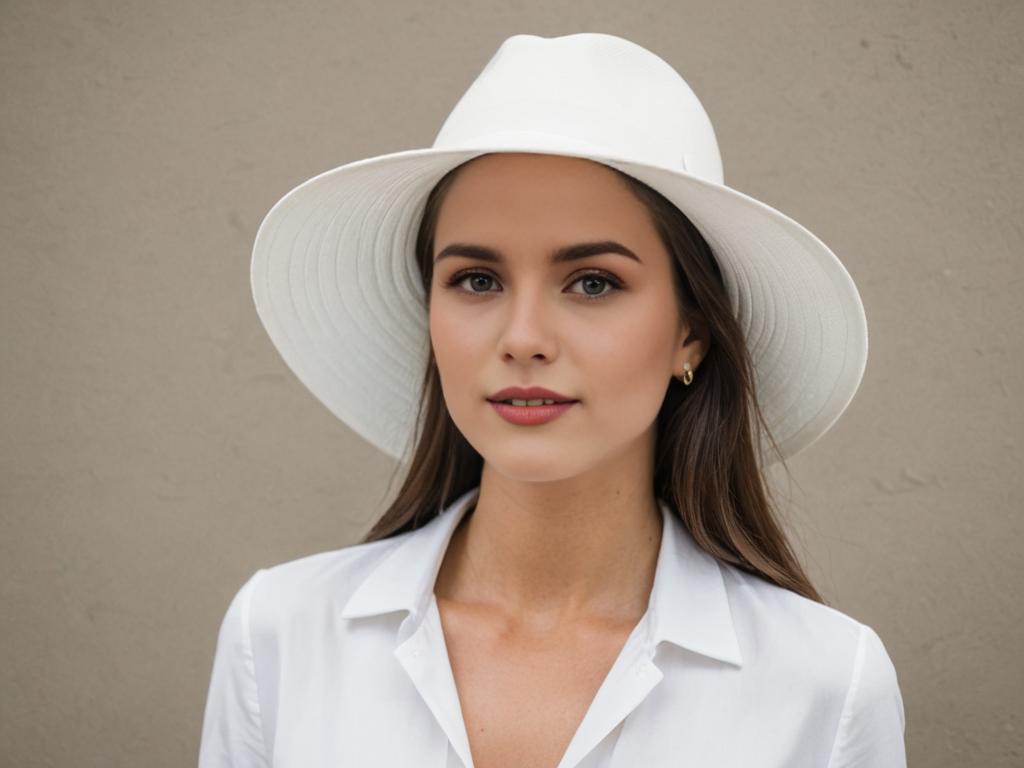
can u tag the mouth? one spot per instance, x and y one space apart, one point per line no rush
532 403
529 397
530 413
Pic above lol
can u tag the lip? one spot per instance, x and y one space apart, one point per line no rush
531 415
530 393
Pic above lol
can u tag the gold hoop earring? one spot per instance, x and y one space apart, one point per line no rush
687 377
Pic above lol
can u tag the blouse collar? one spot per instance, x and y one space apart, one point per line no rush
688 606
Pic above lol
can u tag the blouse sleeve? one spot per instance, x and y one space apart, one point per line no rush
232 734
872 724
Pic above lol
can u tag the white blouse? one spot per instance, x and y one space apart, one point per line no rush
338 659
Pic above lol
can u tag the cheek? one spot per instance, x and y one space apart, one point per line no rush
441 336
631 358
455 349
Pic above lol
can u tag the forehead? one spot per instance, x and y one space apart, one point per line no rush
499 191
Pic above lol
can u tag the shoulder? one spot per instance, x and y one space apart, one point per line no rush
804 642
838 666
782 615
311 586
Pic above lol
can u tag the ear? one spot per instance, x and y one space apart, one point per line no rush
693 346
692 353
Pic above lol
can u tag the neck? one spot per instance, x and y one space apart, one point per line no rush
556 552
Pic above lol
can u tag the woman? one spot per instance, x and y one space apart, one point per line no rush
582 566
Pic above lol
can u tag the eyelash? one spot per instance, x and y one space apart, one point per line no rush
616 284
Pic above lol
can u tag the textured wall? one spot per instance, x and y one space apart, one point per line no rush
156 450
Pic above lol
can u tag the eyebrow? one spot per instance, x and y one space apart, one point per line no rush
560 255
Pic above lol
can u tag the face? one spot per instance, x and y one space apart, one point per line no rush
604 329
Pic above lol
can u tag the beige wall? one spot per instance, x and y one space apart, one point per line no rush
156 450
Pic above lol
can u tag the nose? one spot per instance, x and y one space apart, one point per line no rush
528 327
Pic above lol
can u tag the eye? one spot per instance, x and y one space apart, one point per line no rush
599 277
483 279
461 277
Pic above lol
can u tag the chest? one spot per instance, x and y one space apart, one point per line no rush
522 694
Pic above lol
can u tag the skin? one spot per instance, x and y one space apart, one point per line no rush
555 565
566 509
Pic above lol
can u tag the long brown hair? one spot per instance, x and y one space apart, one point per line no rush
709 462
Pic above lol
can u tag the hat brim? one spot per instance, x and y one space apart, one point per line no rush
336 287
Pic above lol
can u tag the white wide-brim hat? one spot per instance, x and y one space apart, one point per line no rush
336 286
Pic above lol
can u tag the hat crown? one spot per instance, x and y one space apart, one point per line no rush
590 92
